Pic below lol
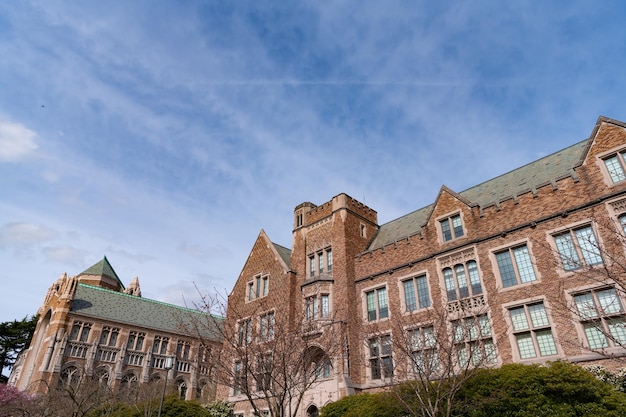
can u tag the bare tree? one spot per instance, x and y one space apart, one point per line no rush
592 260
268 358
434 353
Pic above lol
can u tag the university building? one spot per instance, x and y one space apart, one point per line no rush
527 267
90 325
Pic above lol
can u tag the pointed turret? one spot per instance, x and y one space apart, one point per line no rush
133 288
102 275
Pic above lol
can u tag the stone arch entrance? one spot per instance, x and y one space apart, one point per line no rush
312 411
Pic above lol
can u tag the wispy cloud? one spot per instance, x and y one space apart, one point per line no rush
16 141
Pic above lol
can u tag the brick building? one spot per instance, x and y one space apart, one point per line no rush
90 325
522 268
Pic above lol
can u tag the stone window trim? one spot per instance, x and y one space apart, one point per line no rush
589 255
511 333
420 299
380 303
450 227
258 287
474 340
378 349
511 246
423 349
612 164
602 319
320 263
136 341
80 331
267 324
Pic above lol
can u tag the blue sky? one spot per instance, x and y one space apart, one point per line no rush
166 135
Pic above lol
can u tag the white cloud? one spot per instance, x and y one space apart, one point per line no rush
24 234
16 141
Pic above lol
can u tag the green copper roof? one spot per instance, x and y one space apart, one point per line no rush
130 310
526 178
103 268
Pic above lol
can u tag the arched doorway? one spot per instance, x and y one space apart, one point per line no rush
312 411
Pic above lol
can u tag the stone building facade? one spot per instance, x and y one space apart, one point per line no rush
92 326
527 267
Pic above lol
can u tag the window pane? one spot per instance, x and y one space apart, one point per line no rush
615 169
450 287
585 306
538 315
422 292
409 296
325 305
617 327
490 351
518 318
589 246
485 328
569 257
546 344
524 265
329 259
595 337
459 270
445 230
457 225
525 346
505 266
622 221
371 306
608 301
472 269
383 310
429 337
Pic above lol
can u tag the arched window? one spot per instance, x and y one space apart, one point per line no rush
312 411
70 376
102 376
181 386
129 381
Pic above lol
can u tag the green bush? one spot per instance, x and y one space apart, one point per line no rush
364 405
558 389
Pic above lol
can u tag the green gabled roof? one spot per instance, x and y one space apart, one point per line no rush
284 253
117 307
103 268
528 177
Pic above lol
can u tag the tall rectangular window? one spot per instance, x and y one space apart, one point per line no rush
312 265
424 353
451 228
515 266
329 260
578 248
159 345
602 317
325 305
135 340
244 332
267 326
380 353
80 331
532 331
416 293
377 306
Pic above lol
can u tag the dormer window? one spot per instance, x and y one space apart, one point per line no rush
615 165
451 227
